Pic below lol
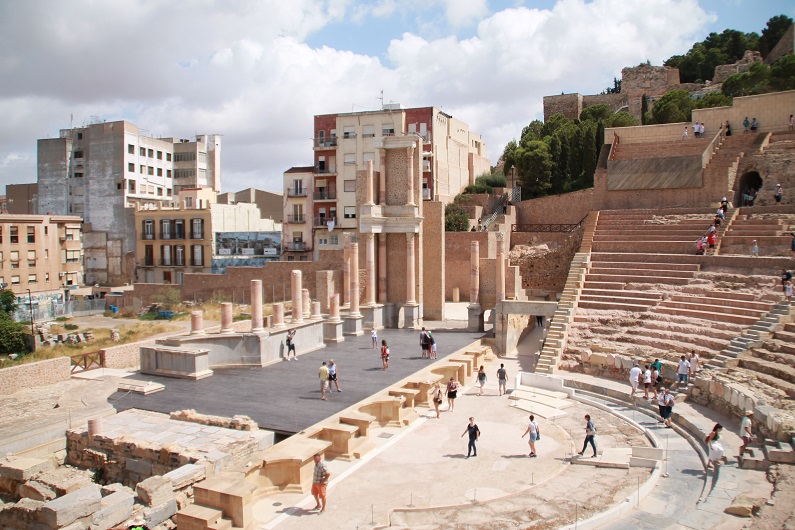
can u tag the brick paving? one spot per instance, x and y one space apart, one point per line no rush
285 397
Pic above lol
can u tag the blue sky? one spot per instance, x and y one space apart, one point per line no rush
256 71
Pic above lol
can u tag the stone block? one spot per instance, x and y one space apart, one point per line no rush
21 514
116 508
744 506
113 488
72 506
626 363
155 491
36 491
22 469
186 475
585 356
617 361
157 514
65 480
598 359
139 467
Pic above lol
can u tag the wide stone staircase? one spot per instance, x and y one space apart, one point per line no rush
675 148
773 361
770 226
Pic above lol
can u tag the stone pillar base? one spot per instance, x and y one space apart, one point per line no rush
409 316
475 322
352 325
391 316
332 331
373 316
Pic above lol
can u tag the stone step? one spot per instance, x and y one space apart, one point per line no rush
605 264
628 271
706 315
761 240
727 295
785 336
666 345
663 236
777 370
614 306
651 295
695 328
664 279
610 286
698 305
713 301
710 343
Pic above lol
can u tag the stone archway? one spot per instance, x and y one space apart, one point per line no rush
750 180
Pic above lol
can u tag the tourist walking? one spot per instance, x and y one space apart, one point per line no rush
791 122
755 248
724 206
669 409
728 128
432 345
322 375
320 478
452 393
695 364
535 435
655 380
474 434
384 355
746 431
646 382
683 370
665 410
291 344
635 375
374 336
437 397
590 433
481 380
788 291
684 134
754 125
332 376
502 379
715 453
425 344
778 193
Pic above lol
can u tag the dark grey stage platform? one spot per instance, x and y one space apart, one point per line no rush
285 397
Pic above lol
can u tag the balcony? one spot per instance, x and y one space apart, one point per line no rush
148 237
296 219
325 195
197 235
325 170
197 262
292 192
322 143
164 235
321 222
426 165
148 261
296 246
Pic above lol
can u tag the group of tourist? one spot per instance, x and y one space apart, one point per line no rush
786 280
328 378
710 239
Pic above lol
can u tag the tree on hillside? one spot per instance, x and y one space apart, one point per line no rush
596 113
782 73
534 166
699 63
713 99
622 119
674 107
774 30
555 122
534 131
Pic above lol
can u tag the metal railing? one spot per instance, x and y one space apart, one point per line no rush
296 246
292 192
559 227
322 221
329 194
498 210
296 218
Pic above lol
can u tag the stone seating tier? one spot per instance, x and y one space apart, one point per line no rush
676 148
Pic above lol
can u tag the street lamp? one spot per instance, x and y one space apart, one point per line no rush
32 331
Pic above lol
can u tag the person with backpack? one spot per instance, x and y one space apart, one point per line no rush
452 393
590 433
481 380
535 435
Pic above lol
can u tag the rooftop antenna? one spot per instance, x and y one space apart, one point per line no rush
381 97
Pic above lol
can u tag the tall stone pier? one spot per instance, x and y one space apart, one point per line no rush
474 310
256 306
353 320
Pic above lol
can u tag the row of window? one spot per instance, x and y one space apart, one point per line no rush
149 153
174 255
32 278
150 189
143 170
190 157
173 229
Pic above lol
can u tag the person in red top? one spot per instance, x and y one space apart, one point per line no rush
712 239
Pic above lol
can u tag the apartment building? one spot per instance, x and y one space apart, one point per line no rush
194 234
104 172
270 203
40 253
452 157
298 223
197 163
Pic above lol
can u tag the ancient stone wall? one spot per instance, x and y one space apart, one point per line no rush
771 110
723 71
786 44
433 278
30 375
775 166
125 355
565 208
544 259
570 105
457 260
616 102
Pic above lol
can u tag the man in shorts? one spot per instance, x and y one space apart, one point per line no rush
683 371
502 379
634 378
425 344
322 375
291 344
746 433
332 376
319 483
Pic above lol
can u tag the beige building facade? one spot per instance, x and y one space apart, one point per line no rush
42 253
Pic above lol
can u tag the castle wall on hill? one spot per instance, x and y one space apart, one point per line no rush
771 110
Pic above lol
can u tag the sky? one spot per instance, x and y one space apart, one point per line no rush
257 71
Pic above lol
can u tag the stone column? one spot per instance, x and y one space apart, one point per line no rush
411 175
346 272
369 287
197 323
334 310
368 192
278 315
474 272
316 311
256 306
381 268
382 178
226 318
298 312
353 256
411 297
500 266
306 302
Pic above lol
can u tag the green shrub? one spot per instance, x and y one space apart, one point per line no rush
12 335
456 218
62 319
478 188
148 316
70 327
493 180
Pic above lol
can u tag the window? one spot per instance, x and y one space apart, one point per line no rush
143 169
45 230
79 136
142 151
131 167
1 259
73 256
185 173
333 240
32 278
179 277
46 254
350 159
160 155
149 255
168 157
78 175
368 131
159 191
179 256
168 192
198 254
46 276
78 154
165 255
202 157
131 186
1 234
31 234
184 157
160 172
322 241
151 153
179 229
131 149
188 202
165 229
197 228
31 258
14 259
349 185
118 185
349 132
350 212
149 229
388 129
168 173
15 280
14 230
150 170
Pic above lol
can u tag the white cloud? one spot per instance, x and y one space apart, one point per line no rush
246 71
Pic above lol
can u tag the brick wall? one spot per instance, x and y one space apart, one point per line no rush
570 105
771 110
546 272
457 260
32 375
614 101
566 208
433 240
